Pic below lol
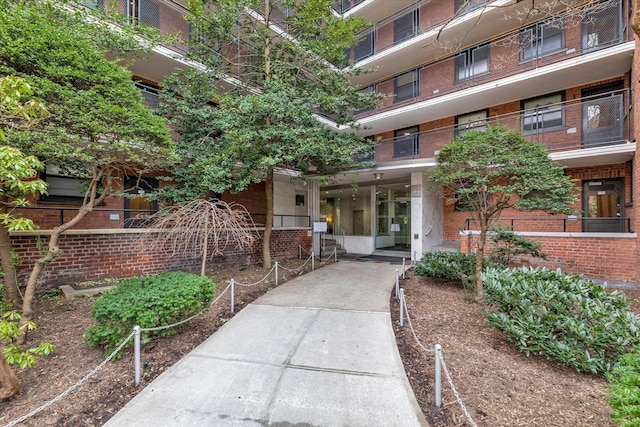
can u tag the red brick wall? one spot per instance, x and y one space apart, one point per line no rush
121 253
608 258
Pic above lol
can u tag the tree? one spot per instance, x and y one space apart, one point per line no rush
200 225
280 56
489 171
98 129
18 172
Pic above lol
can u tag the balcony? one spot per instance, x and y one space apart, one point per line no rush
580 132
536 59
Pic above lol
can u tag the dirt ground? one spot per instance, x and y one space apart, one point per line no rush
498 385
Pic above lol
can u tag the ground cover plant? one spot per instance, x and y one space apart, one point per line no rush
625 392
447 265
566 318
149 302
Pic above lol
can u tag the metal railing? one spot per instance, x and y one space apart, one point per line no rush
567 224
588 122
510 54
110 218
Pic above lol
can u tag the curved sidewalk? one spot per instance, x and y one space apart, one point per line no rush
318 350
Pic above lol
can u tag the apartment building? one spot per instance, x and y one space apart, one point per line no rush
563 72
563 75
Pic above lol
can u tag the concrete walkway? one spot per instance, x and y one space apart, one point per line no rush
317 351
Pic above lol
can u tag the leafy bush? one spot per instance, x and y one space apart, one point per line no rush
447 265
563 317
509 245
149 302
625 392
9 332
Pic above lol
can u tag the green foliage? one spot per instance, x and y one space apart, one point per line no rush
563 317
149 302
231 139
9 332
447 265
625 391
97 126
509 245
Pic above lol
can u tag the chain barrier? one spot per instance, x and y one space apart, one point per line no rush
73 387
259 281
160 328
405 309
332 256
455 392
293 270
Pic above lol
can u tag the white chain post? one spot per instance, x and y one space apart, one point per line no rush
402 307
233 282
276 273
136 353
403 269
313 261
438 350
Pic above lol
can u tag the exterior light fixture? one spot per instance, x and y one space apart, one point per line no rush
377 175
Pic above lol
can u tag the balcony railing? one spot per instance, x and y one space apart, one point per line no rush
588 122
566 36
560 224
47 217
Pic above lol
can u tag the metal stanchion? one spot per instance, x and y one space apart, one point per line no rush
313 262
136 352
403 269
401 307
438 349
276 273
233 282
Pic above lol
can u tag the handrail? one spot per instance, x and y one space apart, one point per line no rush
565 221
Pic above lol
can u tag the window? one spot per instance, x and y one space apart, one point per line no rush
94 4
542 114
405 27
406 142
472 62
147 11
406 86
540 40
150 94
466 122
466 6
364 48
138 207
62 188
601 27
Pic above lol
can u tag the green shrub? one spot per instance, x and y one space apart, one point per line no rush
150 301
447 265
508 245
625 391
563 317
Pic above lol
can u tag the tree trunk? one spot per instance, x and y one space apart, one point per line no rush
268 223
8 267
479 260
8 379
53 252
635 21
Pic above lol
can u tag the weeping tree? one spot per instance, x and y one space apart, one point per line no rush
489 171
98 130
262 101
203 227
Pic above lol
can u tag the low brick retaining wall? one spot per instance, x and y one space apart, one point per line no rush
98 254
608 256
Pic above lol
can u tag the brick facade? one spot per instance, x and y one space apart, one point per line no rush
99 254
605 257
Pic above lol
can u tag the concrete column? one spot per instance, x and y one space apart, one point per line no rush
313 189
427 216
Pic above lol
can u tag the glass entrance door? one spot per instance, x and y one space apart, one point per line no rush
603 206
393 218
